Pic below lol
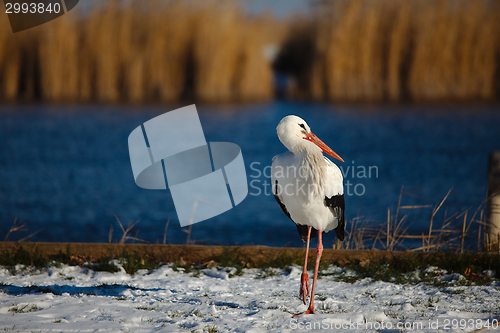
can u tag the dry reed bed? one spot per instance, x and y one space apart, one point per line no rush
167 50
373 50
460 231
140 51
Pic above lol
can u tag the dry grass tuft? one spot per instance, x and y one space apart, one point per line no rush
456 232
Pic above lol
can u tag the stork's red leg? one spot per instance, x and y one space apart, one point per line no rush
304 278
319 252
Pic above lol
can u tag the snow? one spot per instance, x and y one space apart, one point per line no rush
75 299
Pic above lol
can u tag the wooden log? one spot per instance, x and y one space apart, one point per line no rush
493 215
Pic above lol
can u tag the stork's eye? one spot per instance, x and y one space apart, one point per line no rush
303 126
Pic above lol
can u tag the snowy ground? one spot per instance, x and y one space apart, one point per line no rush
75 299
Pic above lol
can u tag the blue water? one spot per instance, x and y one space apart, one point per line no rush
65 170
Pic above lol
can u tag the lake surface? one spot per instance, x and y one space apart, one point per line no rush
65 170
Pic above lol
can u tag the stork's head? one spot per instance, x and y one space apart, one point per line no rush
296 135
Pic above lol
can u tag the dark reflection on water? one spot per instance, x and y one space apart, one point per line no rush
65 170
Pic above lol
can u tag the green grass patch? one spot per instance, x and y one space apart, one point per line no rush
132 262
268 272
408 267
104 265
233 257
411 267
24 309
210 329
149 308
34 258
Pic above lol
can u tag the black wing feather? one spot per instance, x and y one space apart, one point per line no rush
336 204
302 229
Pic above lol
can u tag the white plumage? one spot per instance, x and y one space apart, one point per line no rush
309 189
303 193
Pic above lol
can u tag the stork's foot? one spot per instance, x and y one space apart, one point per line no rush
309 311
304 287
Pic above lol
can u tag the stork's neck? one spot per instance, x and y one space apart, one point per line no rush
314 159
312 166
313 156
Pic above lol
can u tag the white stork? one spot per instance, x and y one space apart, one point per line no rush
309 189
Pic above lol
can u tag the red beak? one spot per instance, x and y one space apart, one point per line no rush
313 138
